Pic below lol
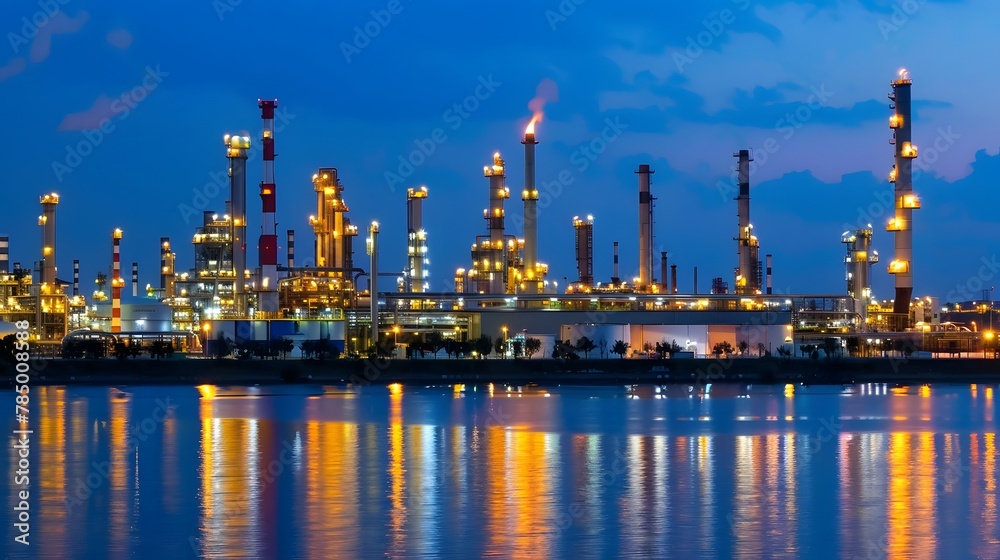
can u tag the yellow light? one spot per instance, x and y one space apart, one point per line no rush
207 391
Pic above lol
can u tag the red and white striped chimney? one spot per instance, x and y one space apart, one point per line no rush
267 246
116 281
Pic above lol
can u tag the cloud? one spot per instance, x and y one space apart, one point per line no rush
13 68
89 119
120 38
59 23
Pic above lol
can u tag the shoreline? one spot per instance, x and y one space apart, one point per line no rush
432 371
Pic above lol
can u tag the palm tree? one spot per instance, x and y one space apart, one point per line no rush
620 348
585 345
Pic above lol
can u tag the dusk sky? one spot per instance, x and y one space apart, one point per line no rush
680 86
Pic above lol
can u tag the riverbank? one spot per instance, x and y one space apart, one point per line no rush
518 372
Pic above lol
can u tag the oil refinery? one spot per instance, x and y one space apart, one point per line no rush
505 287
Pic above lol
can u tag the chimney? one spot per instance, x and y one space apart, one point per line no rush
135 279
615 279
645 228
663 272
768 274
4 254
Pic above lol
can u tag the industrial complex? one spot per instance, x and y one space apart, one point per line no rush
504 292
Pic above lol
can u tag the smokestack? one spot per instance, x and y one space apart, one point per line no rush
530 198
663 272
695 280
267 246
673 278
615 279
291 247
497 269
645 228
116 281
906 201
416 249
373 252
76 277
135 279
167 259
4 254
236 153
48 222
768 274
585 250
747 247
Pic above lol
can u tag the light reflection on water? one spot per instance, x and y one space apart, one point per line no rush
742 472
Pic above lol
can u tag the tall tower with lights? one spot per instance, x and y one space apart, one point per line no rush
906 202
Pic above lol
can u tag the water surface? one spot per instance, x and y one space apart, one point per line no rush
564 472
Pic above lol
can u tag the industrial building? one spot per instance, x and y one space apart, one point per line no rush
505 289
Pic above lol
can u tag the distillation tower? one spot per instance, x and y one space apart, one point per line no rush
496 256
50 302
317 291
906 202
236 153
415 276
334 232
748 272
860 258
48 223
584 253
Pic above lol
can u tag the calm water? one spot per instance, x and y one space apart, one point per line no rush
743 472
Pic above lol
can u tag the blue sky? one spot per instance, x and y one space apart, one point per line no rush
681 87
